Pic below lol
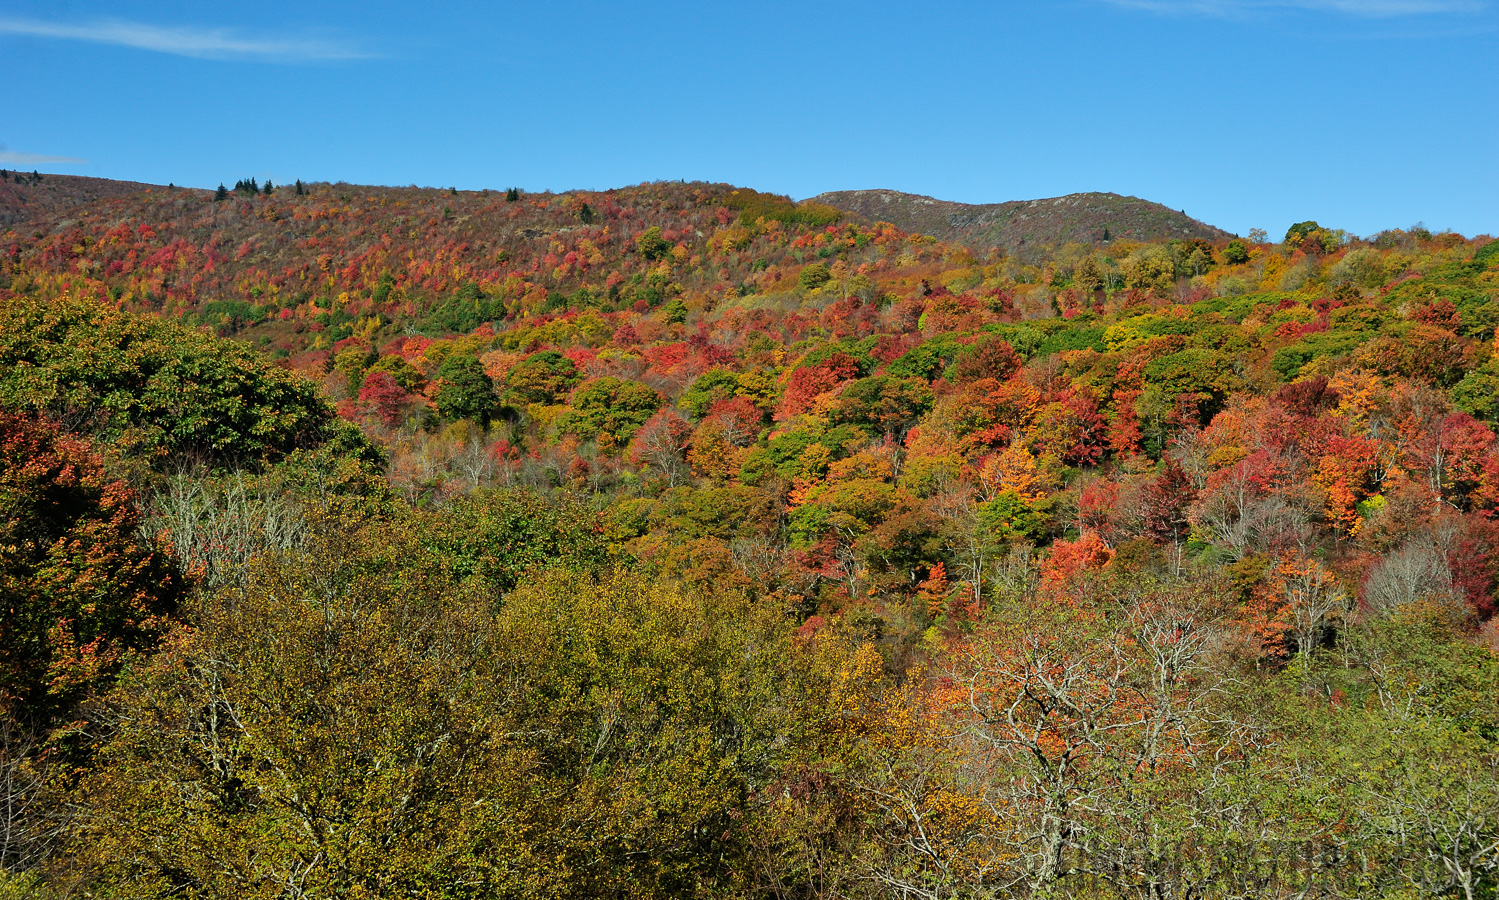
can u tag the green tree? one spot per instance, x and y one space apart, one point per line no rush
352 362
1298 232
497 536
465 390
884 405
153 389
814 276
674 312
544 377
609 410
1152 268
710 388
651 245
356 723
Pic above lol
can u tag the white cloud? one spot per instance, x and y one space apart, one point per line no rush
1379 9
15 158
183 41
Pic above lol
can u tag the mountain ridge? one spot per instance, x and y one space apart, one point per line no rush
27 197
1089 218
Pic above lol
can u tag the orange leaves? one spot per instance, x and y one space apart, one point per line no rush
1070 560
1468 457
987 408
1342 475
807 383
1013 469
1342 501
933 591
83 587
1124 429
1224 450
1070 429
875 462
946 313
1288 608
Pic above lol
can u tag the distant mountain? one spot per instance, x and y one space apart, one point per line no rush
1020 224
25 197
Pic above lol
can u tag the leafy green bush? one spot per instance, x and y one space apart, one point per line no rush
609 410
465 390
1488 254
499 535
928 359
463 312
1289 360
544 377
151 388
1073 339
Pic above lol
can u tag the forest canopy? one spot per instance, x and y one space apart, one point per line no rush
684 540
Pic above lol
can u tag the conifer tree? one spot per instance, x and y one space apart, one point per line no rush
300 190
221 194
512 195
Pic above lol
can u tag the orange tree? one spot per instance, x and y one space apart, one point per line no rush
80 589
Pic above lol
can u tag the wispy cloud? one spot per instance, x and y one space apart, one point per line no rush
15 158
1373 9
201 43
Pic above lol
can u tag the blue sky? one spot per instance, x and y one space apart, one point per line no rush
1361 114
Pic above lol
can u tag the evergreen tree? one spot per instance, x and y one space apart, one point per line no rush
512 195
300 190
268 188
221 194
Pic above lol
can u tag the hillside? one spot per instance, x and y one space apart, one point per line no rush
27 197
683 540
276 267
1020 224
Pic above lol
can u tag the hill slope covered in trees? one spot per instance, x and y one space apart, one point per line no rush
682 540
1031 225
25 197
